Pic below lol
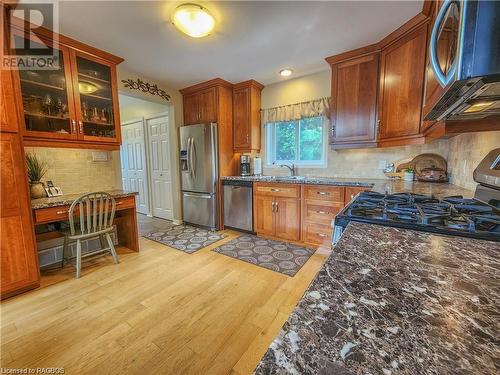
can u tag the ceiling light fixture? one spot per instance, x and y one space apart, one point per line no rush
286 72
193 20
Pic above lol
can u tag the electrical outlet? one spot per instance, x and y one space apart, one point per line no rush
100 156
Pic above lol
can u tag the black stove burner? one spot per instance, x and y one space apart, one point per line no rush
451 215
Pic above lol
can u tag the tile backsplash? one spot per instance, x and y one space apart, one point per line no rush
74 171
361 163
465 152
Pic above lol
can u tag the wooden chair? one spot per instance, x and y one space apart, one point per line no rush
95 213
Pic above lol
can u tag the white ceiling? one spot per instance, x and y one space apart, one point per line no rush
253 39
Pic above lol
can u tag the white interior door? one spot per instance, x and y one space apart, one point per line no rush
133 159
161 174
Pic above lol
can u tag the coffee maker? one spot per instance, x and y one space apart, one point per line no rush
245 165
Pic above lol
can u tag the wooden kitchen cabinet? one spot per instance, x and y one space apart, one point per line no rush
74 105
287 219
18 257
354 98
402 68
191 108
200 107
351 192
300 213
208 105
377 90
277 210
246 116
320 204
264 215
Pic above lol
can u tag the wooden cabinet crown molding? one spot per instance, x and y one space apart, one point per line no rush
404 29
353 54
205 85
249 83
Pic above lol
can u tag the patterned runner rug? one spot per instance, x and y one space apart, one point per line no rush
277 256
184 237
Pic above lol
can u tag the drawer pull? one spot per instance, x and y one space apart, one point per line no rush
118 203
62 212
272 189
323 193
322 212
321 234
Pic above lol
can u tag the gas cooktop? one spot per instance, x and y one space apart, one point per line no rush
451 215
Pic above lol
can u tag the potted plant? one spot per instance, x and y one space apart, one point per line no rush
36 170
409 174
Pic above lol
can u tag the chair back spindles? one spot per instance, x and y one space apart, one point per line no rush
96 213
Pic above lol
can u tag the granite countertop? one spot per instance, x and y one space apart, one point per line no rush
378 185
65 199
395 301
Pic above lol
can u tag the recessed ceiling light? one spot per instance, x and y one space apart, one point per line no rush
193 20
286 72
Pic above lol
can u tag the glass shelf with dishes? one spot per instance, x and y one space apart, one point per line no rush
45 95
96 98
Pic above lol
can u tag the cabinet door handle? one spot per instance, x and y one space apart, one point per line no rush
277 206
379 126
248 137
321 234
80 124
272 206
73 126
323 193
322 212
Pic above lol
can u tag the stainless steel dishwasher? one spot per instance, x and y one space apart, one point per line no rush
238 206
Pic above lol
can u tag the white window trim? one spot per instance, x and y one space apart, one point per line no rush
270 146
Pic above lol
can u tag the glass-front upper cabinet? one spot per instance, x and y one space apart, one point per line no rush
96 101
46 93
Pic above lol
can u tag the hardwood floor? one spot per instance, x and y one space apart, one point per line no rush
160 311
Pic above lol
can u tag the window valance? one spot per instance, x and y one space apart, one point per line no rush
297 111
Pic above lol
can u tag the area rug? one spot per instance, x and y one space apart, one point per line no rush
184 237
274 255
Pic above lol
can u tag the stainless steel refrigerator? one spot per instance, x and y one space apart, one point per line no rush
199 174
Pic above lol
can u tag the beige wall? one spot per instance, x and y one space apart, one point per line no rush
466 151
74 171
361 163
175 95
132 108
301 89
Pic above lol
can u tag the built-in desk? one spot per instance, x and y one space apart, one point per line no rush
50 210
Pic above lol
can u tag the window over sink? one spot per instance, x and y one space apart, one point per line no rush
301 142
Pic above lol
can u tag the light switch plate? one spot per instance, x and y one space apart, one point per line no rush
100 156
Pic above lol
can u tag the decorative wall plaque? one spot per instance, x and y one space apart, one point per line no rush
145 87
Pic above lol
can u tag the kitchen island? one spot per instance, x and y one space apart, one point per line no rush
395 301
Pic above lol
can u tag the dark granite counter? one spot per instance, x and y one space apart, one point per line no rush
379 185
66 199
396 301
